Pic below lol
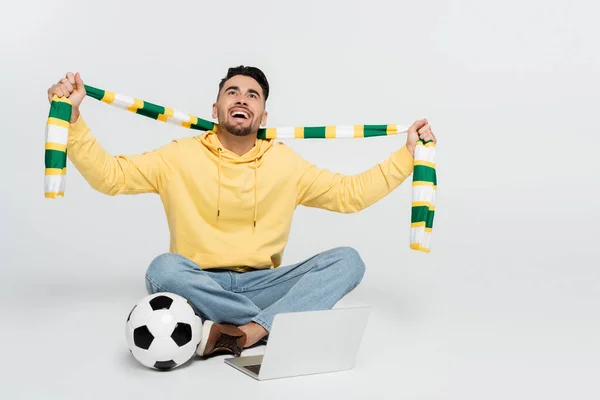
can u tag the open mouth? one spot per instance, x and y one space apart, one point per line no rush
239 114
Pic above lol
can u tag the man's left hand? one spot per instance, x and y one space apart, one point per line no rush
419 130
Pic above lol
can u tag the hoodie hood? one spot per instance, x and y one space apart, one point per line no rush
211 141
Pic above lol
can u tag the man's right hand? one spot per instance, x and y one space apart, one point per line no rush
71 87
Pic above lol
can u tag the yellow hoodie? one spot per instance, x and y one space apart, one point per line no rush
229 211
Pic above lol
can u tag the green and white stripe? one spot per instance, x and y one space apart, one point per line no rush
189 121
424 176
423 196
57 134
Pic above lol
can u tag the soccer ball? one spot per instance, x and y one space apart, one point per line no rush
163 331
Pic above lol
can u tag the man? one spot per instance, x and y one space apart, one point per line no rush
229 199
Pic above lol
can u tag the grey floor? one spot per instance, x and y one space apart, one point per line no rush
67 342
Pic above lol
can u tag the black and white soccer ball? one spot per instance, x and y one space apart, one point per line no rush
163 331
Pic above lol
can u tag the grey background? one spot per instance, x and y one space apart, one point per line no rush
505 306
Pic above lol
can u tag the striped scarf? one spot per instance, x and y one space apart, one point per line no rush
424 176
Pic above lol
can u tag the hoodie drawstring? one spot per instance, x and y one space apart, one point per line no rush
219 188
255 189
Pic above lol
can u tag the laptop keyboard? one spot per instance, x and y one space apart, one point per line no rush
253 368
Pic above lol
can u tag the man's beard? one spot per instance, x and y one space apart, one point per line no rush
238 130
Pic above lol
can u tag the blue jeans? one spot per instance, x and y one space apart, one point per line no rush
222 296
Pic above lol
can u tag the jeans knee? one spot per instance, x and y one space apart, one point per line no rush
353 263
162 271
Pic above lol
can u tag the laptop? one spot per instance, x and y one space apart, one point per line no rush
308 342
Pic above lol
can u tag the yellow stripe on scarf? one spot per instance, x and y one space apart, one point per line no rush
58 122
53 195
359 131
137 104
192 121
56 146
417 246
423 204
425 163
169 112
421 183
56 171
330 132
109 97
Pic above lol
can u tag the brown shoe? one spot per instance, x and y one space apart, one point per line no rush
220 338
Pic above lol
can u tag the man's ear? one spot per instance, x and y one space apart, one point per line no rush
263 122
214 111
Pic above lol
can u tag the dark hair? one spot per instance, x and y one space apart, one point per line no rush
252 72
